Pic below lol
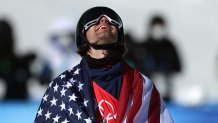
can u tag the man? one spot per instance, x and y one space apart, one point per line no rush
102 88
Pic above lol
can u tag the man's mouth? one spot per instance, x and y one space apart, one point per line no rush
103 27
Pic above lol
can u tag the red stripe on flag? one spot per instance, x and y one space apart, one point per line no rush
137 96
154 107
125 92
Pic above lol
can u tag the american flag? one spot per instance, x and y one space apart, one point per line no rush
67 100
70 99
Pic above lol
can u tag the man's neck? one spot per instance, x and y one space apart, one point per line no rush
97 54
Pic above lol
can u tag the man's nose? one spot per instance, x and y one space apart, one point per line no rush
104 20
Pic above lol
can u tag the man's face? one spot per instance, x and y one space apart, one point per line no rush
102 33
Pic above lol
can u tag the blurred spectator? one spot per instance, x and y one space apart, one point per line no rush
14 70
134 56
130 44
161 57
61 54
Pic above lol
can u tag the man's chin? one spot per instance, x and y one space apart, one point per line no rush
105 39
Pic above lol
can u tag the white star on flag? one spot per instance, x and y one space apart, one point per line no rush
72 80
51 84
70 110
56 87
62 106
88 120
47 115
45 97
65 121
78 114
53 101
63 92
68 85
76 71
73 97
62 76
80 86
85 102
40 112
56 118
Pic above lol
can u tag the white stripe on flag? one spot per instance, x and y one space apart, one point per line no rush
142 114
165 116
128 108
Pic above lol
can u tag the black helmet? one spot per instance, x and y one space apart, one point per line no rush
91 17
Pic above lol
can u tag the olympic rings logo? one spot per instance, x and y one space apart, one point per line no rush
110 115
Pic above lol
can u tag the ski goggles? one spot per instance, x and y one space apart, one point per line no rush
113 19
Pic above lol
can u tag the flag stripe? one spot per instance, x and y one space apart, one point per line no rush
142 114
154 107
164 113
137 96
125 92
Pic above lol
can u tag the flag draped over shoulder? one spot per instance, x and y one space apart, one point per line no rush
70 99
